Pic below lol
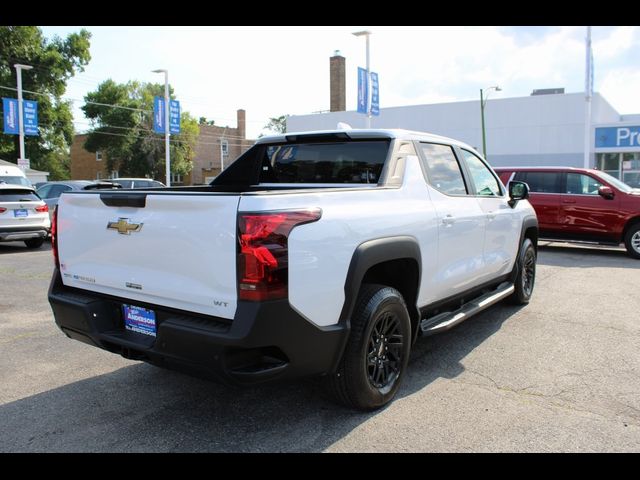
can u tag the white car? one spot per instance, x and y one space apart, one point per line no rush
23 215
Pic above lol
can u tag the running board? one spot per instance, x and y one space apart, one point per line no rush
446 320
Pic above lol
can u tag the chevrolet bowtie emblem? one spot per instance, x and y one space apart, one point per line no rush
124 227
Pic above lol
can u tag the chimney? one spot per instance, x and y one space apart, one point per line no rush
337 83
241 115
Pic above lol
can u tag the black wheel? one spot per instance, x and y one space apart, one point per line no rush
525 274
632 241
377 352
34 242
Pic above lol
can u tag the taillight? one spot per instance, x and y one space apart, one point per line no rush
263 257
2 209
42 208
54 237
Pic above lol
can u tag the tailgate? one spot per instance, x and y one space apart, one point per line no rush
178 250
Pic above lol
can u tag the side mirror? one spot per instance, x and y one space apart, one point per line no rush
606 192
517 191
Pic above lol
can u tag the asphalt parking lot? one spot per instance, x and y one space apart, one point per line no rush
562 374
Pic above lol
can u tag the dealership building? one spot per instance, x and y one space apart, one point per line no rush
545 128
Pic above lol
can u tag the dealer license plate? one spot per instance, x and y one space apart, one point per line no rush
140 320
20 212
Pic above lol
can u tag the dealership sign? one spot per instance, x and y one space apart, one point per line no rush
29 116
612 137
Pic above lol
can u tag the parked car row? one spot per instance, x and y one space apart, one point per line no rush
26 211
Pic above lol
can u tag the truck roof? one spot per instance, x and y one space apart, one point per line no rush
391 133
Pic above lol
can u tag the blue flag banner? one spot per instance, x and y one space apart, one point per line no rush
10 114
30 117
363 91
375 94
174 116
158 114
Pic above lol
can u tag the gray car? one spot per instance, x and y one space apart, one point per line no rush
50 191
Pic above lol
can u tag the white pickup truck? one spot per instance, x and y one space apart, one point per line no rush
317 253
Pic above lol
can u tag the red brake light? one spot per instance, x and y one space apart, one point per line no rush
42 208
263 257
2 209
54 237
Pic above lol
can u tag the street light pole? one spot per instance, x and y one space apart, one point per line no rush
167 133
483 101
366 34
19 68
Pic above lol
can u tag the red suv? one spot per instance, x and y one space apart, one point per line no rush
579 204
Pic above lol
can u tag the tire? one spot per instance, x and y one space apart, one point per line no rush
377 352
525 274
34 242
632 241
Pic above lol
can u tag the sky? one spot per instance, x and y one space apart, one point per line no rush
273 71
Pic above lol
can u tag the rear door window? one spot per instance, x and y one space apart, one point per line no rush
540 182
57 190
43 192
443 169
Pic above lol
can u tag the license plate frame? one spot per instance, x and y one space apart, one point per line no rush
20 213
139 320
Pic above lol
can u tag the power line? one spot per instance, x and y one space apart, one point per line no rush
96 82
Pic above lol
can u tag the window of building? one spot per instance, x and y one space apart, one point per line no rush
114 174
580 184
176 178
540 182
224 146
98 156
99 176
486 184
623 166
443 169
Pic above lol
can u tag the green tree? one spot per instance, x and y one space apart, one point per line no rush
122 117
276 124
54 62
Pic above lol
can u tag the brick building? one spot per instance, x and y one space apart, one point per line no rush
216 146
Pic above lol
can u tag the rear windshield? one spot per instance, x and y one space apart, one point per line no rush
18 196
346 162
15 180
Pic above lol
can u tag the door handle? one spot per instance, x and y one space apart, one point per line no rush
568 200
491 215
448 220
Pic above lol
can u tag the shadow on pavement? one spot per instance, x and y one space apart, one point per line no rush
142 408
7 248
583 256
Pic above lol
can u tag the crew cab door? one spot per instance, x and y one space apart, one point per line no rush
501 237
461 222
544 196
583 212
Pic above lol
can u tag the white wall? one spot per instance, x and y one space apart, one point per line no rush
533 130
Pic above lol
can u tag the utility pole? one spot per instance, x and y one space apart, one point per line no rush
19 69
484 139
588 87
167 133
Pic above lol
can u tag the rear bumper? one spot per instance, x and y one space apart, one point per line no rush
265 341
10 234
